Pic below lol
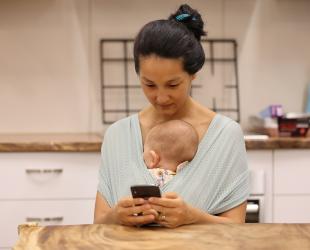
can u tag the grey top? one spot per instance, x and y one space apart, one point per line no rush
216 180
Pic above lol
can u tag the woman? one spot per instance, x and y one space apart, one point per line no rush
214 186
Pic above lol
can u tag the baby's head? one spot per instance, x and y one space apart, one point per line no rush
170 143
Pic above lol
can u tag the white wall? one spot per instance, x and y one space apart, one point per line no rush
275 58
49 63
44 82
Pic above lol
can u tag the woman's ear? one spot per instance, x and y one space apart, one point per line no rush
151 158
193 77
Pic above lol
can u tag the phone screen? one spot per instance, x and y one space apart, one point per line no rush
145 191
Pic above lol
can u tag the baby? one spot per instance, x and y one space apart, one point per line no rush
168 147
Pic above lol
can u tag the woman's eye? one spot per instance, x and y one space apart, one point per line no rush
150 85
173 85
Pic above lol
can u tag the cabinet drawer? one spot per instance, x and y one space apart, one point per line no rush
292 171
62 212
48 175
292 209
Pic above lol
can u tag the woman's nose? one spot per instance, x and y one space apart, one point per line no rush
162 98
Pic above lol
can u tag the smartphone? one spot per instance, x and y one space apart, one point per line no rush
145 191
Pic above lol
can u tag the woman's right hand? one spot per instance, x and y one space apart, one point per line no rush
127 209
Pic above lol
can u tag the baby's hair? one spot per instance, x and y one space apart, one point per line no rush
175 140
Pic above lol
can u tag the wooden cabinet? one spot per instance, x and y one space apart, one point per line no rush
292 186
49 188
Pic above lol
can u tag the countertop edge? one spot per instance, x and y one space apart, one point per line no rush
54 147
278 143
95 145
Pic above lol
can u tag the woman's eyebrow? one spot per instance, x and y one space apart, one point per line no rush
174 80
145 79
169 81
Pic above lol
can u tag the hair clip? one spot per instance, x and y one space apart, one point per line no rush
184 16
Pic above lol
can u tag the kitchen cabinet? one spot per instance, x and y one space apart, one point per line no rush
291 186
45 212
292 209
59 186
260 165
49 188
48 175
292 172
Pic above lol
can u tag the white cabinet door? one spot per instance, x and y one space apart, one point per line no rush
292 186
58 212
292 171
260 165
292 209
48 175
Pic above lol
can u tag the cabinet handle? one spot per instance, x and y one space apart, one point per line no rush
44 171
46 219
252 208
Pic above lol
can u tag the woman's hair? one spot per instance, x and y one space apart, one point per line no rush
177 37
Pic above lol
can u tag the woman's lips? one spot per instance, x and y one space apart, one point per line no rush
165 106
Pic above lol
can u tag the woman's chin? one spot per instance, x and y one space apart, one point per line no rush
166 111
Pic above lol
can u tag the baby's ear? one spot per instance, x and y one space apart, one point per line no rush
155 159
151 158
148 159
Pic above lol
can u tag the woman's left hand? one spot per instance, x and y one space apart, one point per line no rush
173 211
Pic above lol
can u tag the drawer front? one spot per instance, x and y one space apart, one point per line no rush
62 212
292 171
48 175
292 209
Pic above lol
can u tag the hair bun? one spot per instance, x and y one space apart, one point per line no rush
191 19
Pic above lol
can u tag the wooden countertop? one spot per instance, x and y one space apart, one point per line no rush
50 142
211 237
278 143
92 143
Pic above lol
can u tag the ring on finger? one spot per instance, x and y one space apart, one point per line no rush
162 217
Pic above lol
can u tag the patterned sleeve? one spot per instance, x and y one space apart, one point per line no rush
236 175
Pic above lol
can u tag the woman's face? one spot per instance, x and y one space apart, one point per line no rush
165 83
